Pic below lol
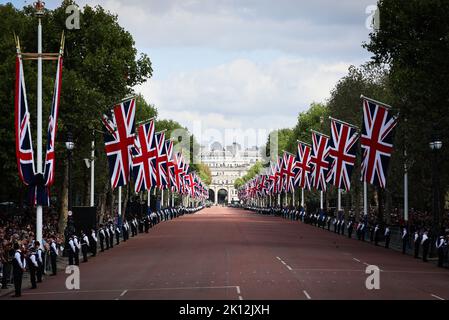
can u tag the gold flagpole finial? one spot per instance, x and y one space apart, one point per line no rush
39 6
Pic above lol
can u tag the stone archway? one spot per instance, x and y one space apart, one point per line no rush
212 195
222 196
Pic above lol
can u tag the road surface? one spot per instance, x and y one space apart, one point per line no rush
227 253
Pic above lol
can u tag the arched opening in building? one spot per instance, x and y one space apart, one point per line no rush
222 196
211 195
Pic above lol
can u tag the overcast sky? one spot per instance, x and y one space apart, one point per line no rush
240 64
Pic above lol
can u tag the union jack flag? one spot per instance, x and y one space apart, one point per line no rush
190 184
272 188
302 167
24 144
342 153
288 172
118 140
319 160
49 173
376 141
144 158
171 179
161 161
177 172
278 174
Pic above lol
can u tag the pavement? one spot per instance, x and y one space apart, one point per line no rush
231 254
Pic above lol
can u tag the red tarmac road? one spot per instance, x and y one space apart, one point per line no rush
225 253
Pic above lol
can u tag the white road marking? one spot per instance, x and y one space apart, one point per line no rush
238 289
435 296
285 264
240 298
356 259
306 294
123 293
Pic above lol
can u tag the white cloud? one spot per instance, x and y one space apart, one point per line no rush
244 94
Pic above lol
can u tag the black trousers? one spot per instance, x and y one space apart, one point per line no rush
33 276
404 245
107 243
40 272
93 248
416 249
425 250
17 275
387 242
102 244
53 263
117 237
77 258
111 241
440 257
71 257
6 274
84 250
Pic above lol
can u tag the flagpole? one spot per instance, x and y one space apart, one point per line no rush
120 201
405 188
293 200
321 200
302 197
162 198
92 172
339 199
365 198
39 116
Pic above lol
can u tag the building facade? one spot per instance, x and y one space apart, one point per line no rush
226 165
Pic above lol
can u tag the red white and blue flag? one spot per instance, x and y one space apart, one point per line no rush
342 154
144 158
161 161
178 172
302 167
49 172
24 144
376 141
171 179
288 172
119 139
319 160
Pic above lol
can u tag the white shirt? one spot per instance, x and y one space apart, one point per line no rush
387 231
77 243
86 239
404 233
424 238
94 236
39 255
416 236
439 243
33 260
53 245
18 257
72 245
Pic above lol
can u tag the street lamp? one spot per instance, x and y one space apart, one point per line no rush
435 145
70 145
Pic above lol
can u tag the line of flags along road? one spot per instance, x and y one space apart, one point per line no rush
331 159
147 156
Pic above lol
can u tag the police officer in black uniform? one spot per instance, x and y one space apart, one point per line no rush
33 266
84 245
18 267
102 236
53 255
93 243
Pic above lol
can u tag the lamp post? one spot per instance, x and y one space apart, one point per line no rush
435 145
70 145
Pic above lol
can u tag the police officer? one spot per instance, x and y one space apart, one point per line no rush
72 250
387 235
146 223
102 236
376 235
117 234
40 261
93 243
404 236
84 245
417 241
440 244
77 250
124 231
53 255
111 234
33 266
350 228
425 246
18 267
107 236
